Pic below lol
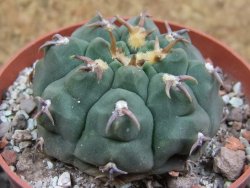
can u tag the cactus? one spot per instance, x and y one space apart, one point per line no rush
125 100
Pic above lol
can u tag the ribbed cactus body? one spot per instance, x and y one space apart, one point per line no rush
135 103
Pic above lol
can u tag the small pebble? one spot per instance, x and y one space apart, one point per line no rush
248 158
233 143
237 125
246 109
218 183
235 115
184 182
50 165
78 179
4 106
31 124
34 134
229 163
237 88
246 134
24 144
227 184
4 127
38 184
12 168
64 180
21 135
54 181
28 105
4 119
23 113
236 102
9 156
29 91
16 149
244 141
226 99
248 125
127 185
248 150
7 113
8 136
19 122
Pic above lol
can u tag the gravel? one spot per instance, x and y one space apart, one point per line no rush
20 130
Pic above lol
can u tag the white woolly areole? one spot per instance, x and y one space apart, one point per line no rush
169 37
169 77
136 39
119 105
200 135
209 67
108 24
47 102
150 56
64 40
100 63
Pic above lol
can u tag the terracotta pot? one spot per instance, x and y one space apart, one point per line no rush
222 56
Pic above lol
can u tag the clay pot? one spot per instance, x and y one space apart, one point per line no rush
221 55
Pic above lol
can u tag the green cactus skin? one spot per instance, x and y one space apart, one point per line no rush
135 106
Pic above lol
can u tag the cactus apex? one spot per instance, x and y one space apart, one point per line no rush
137 34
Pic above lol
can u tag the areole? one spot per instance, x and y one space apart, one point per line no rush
222 56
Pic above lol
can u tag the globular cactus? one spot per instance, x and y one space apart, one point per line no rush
125 100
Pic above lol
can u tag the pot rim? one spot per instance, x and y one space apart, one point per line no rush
240 182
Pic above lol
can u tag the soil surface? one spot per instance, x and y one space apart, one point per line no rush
220 161
23 21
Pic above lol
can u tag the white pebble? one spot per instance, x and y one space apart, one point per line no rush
12 168
23 113
38 184
4 119
7 113
14 94
24 144
16 149
22 86
50 165
226 99
236 102
54 181
244 141
237 88
15 107
31 124
21 135
4 127
4 106
64 180
29 91
11 101
34 134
